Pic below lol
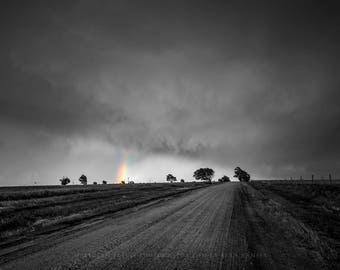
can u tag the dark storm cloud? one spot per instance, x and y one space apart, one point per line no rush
30 100
181 147
253 83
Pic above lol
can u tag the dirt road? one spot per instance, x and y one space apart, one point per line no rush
206 229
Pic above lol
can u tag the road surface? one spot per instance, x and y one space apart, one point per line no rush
204 229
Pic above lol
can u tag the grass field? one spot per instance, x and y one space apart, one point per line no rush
310 213
26 211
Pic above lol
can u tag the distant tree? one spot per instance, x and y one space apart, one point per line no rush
224 178
83 179
170 178
65 180
95 183
104 182
242 175
205 174
182 180
131 182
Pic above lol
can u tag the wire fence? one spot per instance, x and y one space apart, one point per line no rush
302 181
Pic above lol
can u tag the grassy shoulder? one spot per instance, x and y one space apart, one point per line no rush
29 211
307 216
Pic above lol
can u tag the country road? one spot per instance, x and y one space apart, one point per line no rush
204 229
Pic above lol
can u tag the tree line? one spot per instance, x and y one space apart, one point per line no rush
203 174
207 174
82 179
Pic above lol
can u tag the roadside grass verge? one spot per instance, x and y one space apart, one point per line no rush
31 192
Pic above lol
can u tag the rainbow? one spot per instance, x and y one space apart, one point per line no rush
121 173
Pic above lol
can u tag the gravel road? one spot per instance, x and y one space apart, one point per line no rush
223 226
187 232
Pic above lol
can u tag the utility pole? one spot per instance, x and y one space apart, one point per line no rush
330 178
312 178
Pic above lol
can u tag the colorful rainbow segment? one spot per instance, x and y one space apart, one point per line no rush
121 173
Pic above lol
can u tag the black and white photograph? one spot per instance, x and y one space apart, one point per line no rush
169 134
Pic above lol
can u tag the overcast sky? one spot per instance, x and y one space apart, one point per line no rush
168 86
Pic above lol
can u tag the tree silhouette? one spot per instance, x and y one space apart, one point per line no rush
205 174
65 180
83 179
170 178
224 178
242 175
